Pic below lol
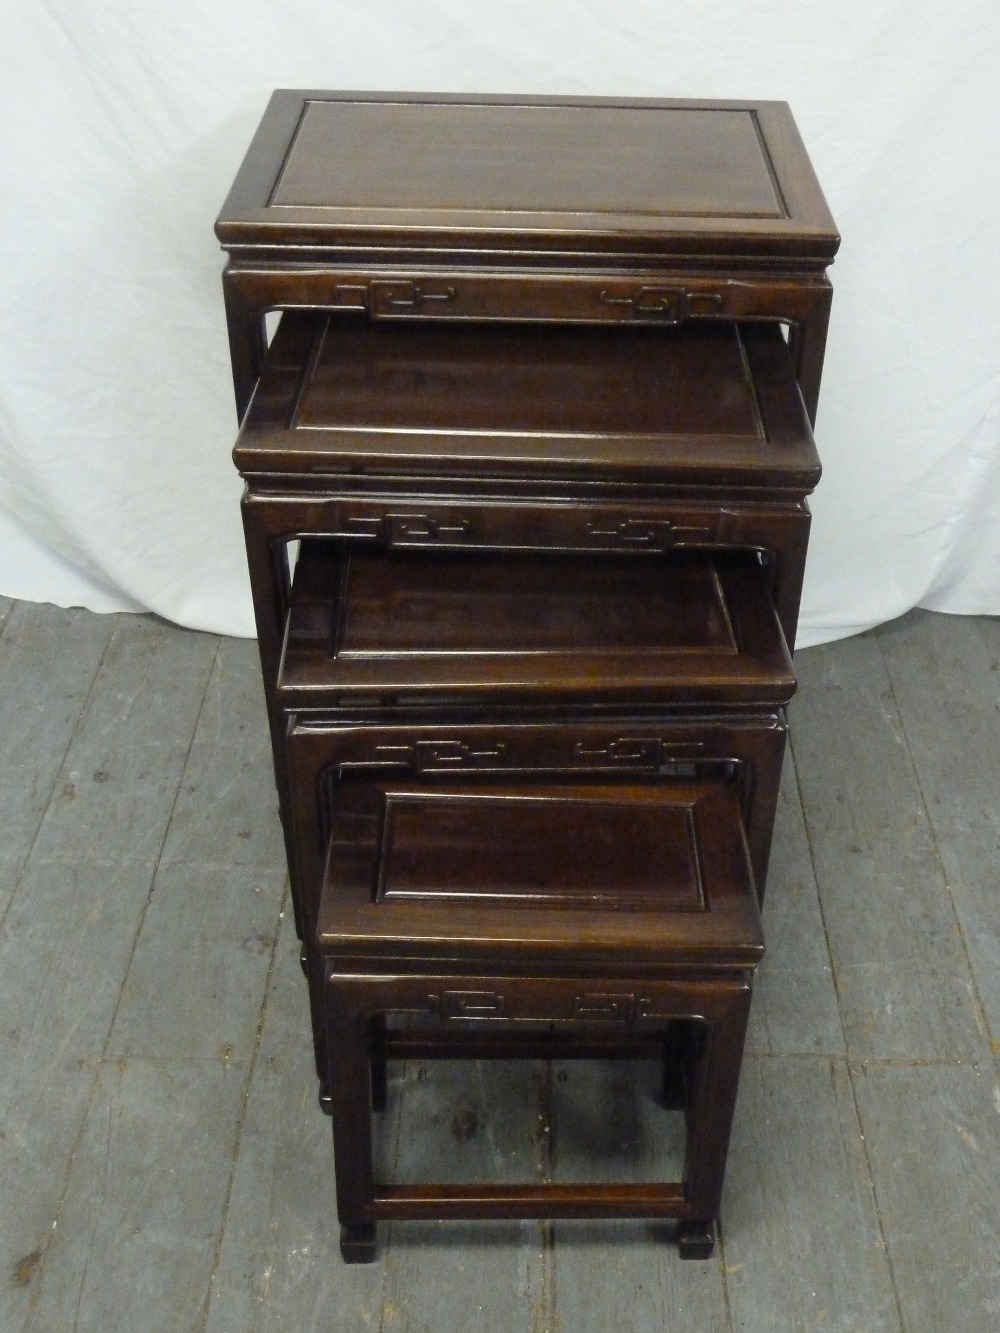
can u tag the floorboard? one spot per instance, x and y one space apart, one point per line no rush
608 1124
136 1233
44 691
278 1262
163 1162
901 968
795 1002
933 1133
947 688
803 1243
226 812
65 945
119 779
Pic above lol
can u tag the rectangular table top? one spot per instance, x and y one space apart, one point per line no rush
481 628
711 403
636 875
498 176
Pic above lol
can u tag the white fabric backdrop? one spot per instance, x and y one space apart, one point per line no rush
122 123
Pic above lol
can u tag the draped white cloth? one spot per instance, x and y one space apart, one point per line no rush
122 123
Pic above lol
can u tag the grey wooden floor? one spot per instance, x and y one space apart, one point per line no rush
163 1165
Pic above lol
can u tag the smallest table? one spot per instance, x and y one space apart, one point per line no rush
512 920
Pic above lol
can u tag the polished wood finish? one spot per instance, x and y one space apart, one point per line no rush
534 433
502 484
573 168
585 846
499 486
427 629
345 170
553 209
713 405
319 462
332 755
638 941
328 750
610 876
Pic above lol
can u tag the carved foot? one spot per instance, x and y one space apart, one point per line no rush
696 1240
357 1243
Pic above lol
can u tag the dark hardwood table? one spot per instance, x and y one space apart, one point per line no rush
614 916
465 439
586 210
527 458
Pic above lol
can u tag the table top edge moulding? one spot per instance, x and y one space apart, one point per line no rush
349 169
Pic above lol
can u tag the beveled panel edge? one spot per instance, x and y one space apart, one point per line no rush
388 211
551 793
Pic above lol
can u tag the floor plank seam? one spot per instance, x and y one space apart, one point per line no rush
58 773
99 1065
90 1246
384 1313
39 1277
869 1164
916 1062
543 1312
102 1059
810 843
923 1145
991 649
545 1163
980 1016
196 863
547 1296
159 856
241 1119
868 1061
727 1300
876 1201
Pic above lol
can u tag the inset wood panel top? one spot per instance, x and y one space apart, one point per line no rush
710 402
638 873
469 158
424 172
481 628
603 848
544 382
426 604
